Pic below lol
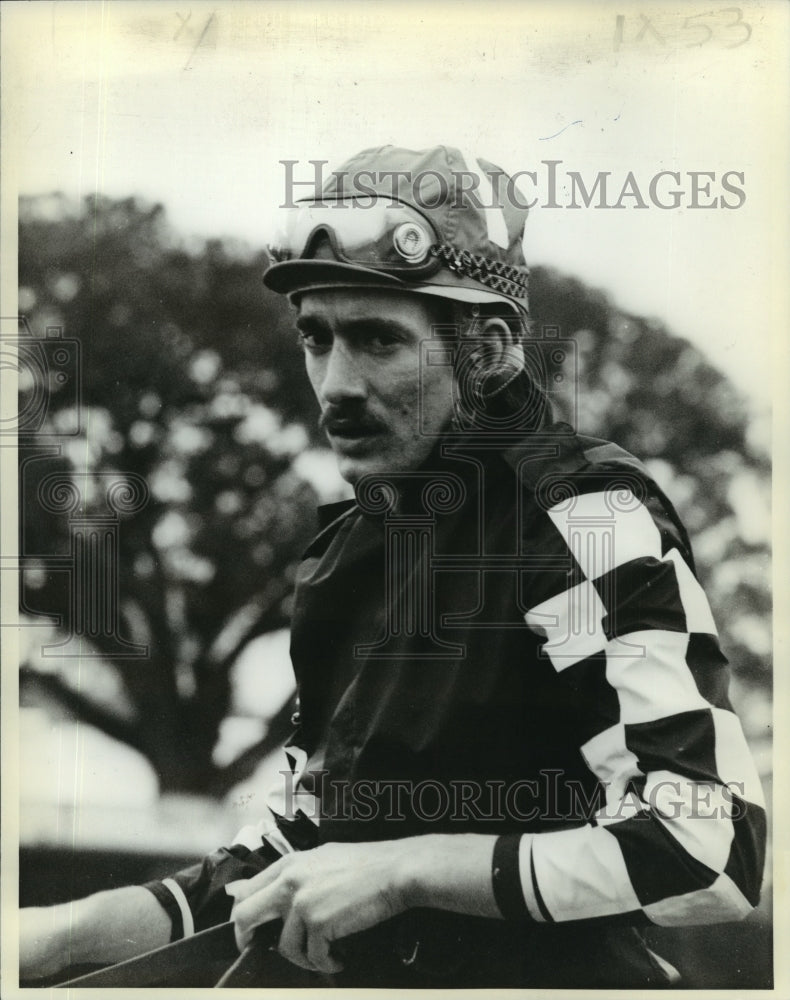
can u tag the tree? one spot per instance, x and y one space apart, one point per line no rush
183 365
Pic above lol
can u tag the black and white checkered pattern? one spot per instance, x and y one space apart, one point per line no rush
680 838
606 582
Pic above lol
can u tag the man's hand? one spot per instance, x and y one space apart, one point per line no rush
323 895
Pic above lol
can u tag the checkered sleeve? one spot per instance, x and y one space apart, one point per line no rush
680 838
195 898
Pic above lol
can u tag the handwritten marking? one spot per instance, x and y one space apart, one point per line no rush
200 40
543 138
709 26
739 22
183 21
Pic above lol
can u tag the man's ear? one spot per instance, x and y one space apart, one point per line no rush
495 337
498 344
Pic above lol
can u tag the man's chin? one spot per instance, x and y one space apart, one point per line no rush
353 467
377 460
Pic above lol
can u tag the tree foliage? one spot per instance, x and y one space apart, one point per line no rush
193 381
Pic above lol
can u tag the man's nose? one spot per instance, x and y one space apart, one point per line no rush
343 376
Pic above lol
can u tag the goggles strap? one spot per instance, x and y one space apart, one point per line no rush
506 278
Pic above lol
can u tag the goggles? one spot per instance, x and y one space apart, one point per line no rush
382 234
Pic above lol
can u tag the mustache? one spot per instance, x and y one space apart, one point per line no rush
345 419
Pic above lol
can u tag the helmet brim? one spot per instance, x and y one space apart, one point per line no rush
295 277
301 275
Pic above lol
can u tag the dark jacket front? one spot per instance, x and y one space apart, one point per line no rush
446 685
512 639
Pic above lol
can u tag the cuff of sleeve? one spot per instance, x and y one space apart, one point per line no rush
533 900
171 897
506 879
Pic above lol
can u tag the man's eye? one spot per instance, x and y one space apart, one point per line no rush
315 342
381 341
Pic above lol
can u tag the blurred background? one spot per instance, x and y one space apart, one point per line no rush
151 719
192 380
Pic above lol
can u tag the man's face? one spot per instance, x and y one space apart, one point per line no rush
380 408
